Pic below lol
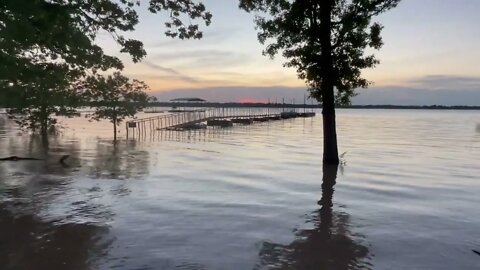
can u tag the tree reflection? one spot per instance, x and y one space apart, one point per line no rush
42 224
28 242
119 161
3 121
327 245
48 168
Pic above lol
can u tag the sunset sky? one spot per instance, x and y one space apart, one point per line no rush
430 45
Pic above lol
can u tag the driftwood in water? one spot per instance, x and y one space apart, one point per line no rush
62 160
15 158
476 252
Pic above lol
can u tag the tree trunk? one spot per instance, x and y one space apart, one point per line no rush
330 150
115 129
44 125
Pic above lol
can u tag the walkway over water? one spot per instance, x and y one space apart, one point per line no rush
186 119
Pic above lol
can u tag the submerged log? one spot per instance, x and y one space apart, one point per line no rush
15 158
63 158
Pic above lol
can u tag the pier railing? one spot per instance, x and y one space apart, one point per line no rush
148 125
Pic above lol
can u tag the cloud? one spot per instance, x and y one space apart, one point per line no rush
210 36
414 96
191 80
423 92
445 82
374 96
447 90
211 72
203 58
238 93
161 68
193 54
173 74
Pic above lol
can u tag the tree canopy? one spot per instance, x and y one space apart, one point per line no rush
114 97
64 31
292 29
37 105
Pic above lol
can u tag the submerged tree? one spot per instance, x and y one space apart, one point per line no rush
42 51
43 37
115 97
325 40
36 107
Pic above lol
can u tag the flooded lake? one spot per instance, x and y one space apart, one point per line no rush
407 196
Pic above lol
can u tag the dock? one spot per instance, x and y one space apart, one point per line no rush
219 117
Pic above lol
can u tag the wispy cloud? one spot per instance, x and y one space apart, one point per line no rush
220 34
161 68
198 82
451 82
395 95
172 73
427 90
415 96
203 58
207 75
238 93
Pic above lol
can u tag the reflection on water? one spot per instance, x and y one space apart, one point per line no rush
29 242
38 229
246 197
117 161
328 244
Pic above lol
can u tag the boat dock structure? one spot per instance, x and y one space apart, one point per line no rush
201 118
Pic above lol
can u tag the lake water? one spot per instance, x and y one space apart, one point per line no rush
407 196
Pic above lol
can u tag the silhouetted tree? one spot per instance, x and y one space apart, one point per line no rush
43 37
66 29
35 33
115 97
35 108
325 41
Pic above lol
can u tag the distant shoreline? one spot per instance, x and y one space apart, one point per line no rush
310 106
299 106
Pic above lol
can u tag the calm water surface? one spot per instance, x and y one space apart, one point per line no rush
407 196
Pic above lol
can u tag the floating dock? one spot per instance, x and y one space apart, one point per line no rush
199 119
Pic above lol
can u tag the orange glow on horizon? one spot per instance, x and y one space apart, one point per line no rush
243 79
251 100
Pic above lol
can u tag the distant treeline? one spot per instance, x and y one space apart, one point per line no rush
271 105
309 106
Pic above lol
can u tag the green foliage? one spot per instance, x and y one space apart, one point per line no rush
176 8
48 94
115 97
48 45
33 33
292 28
66 29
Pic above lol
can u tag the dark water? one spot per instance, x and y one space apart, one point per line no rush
406 197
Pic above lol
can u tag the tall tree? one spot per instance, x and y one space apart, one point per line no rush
325 40
43 37
115 97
